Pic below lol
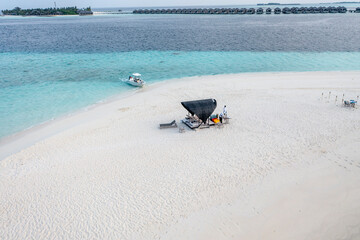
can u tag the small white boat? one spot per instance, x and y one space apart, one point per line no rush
135 80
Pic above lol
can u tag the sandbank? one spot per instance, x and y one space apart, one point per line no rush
286 167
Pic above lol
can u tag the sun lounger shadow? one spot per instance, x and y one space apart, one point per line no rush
168 125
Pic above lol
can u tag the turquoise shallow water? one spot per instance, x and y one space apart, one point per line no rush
36 87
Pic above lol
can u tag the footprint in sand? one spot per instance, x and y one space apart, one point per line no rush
124 109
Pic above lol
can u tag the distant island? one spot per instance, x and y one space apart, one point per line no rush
265 4
48 11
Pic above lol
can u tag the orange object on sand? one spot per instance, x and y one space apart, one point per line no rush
215 120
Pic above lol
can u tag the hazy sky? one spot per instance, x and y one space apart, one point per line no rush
10 4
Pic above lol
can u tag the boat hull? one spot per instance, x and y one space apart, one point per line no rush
136 84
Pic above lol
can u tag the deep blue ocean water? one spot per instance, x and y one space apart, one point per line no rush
52 66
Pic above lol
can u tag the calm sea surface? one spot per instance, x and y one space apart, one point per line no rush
52 66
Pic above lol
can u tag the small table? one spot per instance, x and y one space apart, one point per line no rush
226 120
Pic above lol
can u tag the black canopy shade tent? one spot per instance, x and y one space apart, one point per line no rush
201 108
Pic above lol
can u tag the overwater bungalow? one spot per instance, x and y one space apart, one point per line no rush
332 9
259 11
302 10
294 10
286 10
342 9
226 11
311 10
250 11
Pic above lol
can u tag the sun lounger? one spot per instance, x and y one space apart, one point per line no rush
191 122
168 125
350 103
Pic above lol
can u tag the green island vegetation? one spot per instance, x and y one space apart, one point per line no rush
48 11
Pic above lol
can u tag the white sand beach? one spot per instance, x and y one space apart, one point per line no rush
287 166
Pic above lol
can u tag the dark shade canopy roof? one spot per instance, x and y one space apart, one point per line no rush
201 108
